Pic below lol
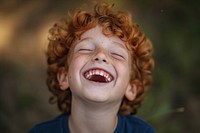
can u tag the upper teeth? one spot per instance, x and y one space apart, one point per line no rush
89 74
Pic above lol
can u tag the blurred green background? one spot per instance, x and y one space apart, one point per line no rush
171 106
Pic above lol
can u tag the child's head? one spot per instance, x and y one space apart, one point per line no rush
63 39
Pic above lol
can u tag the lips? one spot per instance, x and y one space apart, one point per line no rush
98 75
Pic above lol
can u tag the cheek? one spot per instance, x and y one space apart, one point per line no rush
123 70
74 72
76 64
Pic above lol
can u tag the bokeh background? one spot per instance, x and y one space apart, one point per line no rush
171 106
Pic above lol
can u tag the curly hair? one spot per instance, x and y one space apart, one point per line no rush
63 34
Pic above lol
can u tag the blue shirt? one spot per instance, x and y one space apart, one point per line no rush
126 124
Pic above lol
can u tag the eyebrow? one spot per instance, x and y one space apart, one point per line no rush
90 38
84 39
119 44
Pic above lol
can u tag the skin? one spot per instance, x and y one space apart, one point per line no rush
94 104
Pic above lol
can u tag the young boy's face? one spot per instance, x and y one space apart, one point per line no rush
99 68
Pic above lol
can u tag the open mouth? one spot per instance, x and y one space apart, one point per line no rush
98 75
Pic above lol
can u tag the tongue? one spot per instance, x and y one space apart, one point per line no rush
98 78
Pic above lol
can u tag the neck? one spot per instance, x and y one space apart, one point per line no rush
93 117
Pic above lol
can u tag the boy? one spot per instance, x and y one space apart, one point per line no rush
99 66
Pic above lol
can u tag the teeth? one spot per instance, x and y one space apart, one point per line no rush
97 72
107 76
101 73
89 74
93 72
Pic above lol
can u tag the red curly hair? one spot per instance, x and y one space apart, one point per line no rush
63 34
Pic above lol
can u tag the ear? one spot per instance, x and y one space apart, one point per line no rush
131 92
62 79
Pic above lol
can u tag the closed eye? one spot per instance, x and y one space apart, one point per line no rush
116 55
85 50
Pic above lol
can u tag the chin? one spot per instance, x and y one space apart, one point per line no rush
97 97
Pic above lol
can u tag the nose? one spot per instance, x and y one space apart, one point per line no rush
101 56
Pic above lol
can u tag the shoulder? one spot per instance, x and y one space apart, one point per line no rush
132 124
51 126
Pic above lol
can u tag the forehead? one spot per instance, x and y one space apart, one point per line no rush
97 34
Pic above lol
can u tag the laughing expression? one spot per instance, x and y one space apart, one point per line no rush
99 68
98 75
